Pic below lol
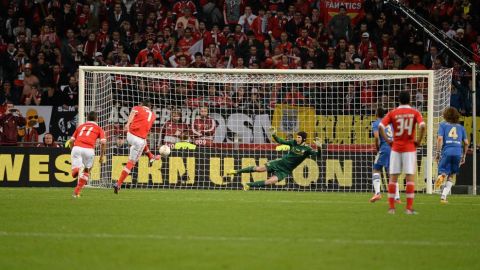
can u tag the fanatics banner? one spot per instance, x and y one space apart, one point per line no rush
354 9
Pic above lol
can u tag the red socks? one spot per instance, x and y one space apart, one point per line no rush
146 150
81 182
392 188
125 172
410 194
75 172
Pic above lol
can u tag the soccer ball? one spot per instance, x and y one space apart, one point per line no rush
164 151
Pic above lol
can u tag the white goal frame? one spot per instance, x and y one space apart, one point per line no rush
429 74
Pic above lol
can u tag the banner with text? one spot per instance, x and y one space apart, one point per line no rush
354 8
201 168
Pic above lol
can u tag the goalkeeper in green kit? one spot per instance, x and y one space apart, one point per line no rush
282 167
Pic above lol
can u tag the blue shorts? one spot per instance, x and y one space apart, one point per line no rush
382 160
449 165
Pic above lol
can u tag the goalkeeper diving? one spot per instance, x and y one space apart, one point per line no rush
282 167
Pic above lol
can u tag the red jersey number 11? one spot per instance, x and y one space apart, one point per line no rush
88 131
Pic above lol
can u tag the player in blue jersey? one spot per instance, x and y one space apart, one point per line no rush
449 150
382 160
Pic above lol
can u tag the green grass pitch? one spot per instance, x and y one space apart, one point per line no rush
45 228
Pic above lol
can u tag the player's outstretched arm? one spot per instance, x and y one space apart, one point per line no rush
279 140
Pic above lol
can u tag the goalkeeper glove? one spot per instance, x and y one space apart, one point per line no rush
272 130
68 144
318 143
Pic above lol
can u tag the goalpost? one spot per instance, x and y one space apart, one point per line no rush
338 106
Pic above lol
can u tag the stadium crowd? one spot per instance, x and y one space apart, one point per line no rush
43 42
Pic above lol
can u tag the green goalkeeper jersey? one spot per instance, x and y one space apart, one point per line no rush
296 155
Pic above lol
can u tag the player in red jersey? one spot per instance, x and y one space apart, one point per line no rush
403 156
138 126
83 151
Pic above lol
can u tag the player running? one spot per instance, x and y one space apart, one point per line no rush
83 151
403 157
382 160
450 137
138 126
282 167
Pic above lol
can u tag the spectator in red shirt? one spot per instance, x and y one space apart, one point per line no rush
366 44
285 45
203 128
84 16
143 54
10 121
238 34
202 33
212 37
187 20
415 65
476 50
102 35
283 61
304 41
272 25
371 54
174 130
186 42
259 25
179 8
90 47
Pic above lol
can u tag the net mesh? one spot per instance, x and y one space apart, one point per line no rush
337 108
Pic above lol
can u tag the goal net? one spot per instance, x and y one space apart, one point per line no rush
216 120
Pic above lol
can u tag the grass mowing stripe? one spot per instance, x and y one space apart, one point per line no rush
242 200
230 238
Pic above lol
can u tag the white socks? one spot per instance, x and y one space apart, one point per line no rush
376 183
376 186
446 189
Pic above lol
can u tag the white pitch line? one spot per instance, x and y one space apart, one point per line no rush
234 238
